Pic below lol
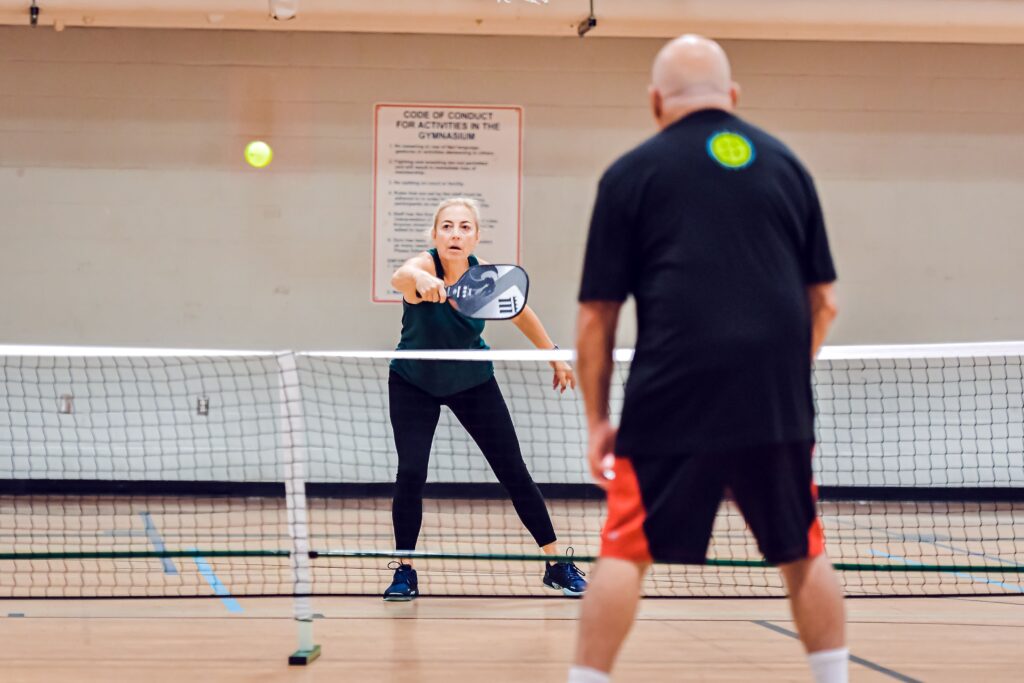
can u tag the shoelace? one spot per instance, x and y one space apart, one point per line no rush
570 567
395 565
572 570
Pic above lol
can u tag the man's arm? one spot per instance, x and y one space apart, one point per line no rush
822 298
594 345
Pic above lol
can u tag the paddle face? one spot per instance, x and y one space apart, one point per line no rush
490 292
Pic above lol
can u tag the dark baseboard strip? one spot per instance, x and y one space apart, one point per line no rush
234 489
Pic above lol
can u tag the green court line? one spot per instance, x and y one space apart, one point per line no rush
841 566
317 554
144 554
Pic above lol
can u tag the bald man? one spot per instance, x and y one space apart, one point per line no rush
715 229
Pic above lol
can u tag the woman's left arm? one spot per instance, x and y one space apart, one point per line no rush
529 324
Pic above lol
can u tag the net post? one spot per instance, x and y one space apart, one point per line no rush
294 473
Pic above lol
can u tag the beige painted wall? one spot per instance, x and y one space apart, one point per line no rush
128 217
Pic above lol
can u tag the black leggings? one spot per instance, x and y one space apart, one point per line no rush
482 411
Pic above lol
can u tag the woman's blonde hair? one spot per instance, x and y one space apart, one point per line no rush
470 204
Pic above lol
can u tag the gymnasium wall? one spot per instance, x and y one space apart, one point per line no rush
129 218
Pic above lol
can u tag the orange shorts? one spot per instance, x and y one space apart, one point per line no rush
663 508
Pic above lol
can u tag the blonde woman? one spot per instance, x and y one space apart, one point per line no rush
418 388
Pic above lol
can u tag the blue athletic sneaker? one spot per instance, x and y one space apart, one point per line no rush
404 586
566 577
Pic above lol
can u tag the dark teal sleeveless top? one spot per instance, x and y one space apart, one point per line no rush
436 327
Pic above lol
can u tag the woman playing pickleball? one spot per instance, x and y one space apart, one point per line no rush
418 388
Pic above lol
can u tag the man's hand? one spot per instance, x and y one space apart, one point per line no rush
601 453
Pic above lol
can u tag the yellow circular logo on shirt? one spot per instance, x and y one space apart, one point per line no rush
731 150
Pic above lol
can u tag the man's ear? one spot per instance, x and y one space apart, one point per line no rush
657 104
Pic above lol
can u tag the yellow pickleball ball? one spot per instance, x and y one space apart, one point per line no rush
258 154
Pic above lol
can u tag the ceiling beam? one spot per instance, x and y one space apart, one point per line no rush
943 21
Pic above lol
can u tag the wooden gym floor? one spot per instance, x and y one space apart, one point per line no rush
493 640
445 639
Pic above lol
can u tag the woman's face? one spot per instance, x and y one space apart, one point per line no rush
456 233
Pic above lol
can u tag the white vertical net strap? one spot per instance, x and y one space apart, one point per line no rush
293 450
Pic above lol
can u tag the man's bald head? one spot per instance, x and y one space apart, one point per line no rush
691 73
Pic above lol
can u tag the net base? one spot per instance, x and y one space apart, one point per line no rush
304 657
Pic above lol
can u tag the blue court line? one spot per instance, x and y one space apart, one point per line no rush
970 553
944 541
935 541
218 588
1017 588
157 542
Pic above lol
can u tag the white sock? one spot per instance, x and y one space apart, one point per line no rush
584 674
830 666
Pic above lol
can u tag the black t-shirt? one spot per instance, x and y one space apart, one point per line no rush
715 228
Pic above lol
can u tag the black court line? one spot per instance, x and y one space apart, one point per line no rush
896 675
993 601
